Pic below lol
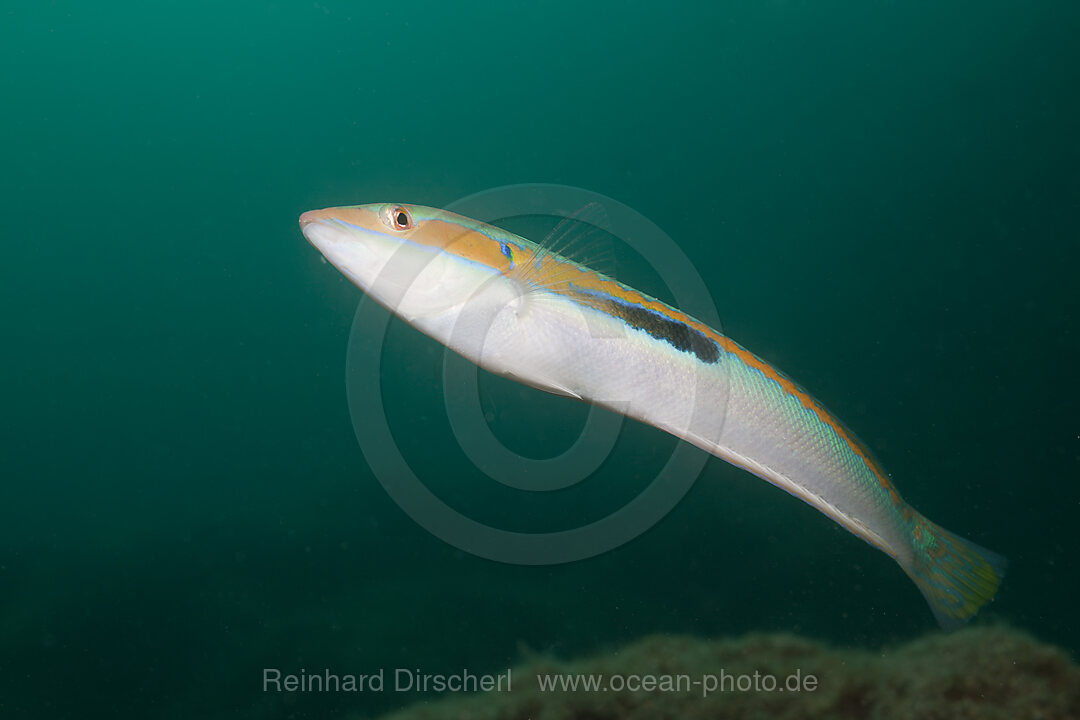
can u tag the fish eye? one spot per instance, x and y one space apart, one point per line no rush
400 218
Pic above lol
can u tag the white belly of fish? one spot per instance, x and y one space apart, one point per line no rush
552 343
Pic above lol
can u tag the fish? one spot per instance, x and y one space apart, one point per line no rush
520 309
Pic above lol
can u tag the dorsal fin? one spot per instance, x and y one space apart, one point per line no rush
583 237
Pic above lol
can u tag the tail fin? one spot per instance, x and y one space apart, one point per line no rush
955 576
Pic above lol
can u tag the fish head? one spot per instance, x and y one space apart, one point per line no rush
415 260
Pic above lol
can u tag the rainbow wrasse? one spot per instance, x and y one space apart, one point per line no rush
528 313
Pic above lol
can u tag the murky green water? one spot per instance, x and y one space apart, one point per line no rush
882 200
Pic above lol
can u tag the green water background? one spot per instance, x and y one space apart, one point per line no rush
882 198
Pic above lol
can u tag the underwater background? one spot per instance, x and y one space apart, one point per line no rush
881 197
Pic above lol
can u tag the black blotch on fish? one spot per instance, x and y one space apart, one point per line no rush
677 334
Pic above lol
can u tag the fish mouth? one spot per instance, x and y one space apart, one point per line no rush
355 252
312 220
313 216
317 232
321 231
